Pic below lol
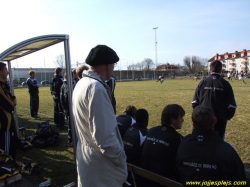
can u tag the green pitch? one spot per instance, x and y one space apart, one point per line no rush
59 160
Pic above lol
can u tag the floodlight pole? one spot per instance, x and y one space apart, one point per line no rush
155 51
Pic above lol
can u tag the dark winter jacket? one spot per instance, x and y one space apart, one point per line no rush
56 83
124 122
133 142
216 93
111 83
203 155
33 85
159 151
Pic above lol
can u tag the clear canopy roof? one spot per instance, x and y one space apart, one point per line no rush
31 45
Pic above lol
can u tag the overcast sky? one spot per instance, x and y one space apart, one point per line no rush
185 27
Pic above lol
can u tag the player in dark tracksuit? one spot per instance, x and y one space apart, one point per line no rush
56 83
33 85
65 103
8 133
204 156
160 147
135 136
111 83
217 93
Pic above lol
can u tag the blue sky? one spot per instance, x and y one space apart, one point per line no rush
185 27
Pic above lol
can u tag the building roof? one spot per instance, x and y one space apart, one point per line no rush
229 56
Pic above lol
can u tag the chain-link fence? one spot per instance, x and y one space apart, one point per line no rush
127 75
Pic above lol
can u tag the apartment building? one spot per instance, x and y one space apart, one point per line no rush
236 61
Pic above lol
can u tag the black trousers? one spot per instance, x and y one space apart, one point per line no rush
58 112
34 104
220 127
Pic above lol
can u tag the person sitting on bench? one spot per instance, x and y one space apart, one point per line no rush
160 147
135 136
204 156
126 120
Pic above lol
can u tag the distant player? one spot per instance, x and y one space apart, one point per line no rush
241 77
160 78
236 75
229 76
195 77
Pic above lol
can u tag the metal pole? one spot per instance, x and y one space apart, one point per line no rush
127 69
13 93
120 72
70 89
155 50
45 71
17 73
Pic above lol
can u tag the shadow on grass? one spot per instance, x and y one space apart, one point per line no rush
58 160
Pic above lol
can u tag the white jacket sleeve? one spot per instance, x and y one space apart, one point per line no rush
103 127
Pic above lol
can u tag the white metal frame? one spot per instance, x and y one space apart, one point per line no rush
12 53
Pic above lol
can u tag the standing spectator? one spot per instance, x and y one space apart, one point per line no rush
74 78
135 136
111 83
56 83
64 92
8 136
33 86
80 69
126 120
100 157
217 93
160 147
204 156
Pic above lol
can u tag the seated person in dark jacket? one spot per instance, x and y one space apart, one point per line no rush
203 155
160 147
126 120
135 136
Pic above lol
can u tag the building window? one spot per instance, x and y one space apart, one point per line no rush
248 54
242 54
226 56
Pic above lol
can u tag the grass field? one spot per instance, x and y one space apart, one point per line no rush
59 160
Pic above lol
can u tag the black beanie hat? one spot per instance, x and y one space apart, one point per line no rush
101 54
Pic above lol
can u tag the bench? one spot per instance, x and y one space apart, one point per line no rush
135 170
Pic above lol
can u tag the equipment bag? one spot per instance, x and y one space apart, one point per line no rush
44 136
8 167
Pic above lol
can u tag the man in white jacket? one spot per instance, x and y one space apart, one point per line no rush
100 156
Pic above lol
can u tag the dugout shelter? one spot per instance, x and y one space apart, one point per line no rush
35 44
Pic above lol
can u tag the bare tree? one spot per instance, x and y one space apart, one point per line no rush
195 63
60 61
139 66
147 63
187 62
